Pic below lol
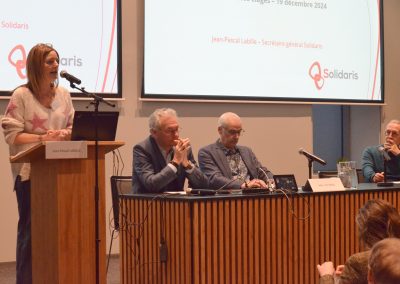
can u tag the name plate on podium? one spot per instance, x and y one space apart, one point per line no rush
324 185
66 150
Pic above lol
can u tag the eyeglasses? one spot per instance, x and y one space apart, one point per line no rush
234 132
391 133
171 131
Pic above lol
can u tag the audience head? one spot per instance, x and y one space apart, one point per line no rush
229 129
164 127
377 220
384 262
42 68
392 132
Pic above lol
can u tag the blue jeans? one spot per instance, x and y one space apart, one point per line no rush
24 249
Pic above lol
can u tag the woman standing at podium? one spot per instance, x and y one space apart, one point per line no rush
38 111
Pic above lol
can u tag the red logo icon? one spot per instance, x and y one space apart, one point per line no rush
316 74
17 58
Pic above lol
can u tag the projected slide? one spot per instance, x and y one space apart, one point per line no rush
263 49
83 32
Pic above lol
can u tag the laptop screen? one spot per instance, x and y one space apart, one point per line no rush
83 127
285 182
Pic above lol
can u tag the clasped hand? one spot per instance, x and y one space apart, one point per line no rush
181 151
255 183
57 135
327 268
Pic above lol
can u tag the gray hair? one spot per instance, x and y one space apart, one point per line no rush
154 119
222 120
394 121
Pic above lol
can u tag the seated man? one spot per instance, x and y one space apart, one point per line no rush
373 157
163 161
228 165
384 262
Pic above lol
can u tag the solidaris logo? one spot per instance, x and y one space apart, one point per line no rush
319 75
17 58
316 74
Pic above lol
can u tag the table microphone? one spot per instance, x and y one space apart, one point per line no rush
266 177
220 190
261 169
200 191
384 153
386 158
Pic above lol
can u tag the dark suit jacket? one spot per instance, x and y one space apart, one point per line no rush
151 174
213 162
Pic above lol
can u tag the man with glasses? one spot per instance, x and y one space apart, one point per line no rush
164 160
228 165
373 157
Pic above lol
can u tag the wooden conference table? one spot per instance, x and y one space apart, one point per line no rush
240 238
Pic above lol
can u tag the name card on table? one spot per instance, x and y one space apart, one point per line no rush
324 185
66 150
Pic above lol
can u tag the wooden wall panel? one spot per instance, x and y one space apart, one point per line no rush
240 239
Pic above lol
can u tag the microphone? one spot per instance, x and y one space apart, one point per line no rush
72 79
200 191
384 153
386 158
229 182
266 177
265 171
311 156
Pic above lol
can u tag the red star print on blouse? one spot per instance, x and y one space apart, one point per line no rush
10 109
37 122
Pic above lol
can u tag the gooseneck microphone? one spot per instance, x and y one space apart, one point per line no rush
72 79
265 171
214 191
200 191
229 182
311 156
384 153
386 158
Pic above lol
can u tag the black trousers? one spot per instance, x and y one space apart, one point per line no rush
24 248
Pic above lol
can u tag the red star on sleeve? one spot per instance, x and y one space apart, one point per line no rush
37 122
10 109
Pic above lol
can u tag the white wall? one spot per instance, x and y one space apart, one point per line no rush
275 132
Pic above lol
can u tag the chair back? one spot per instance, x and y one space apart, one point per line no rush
360 176
327 174
120 185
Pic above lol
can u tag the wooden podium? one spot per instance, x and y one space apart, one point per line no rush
63 215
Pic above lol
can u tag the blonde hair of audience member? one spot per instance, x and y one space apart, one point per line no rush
384 262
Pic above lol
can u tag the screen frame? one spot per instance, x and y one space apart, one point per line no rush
268 100
77 94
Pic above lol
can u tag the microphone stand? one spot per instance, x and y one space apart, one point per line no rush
309 167
96 101
385 182
310 161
